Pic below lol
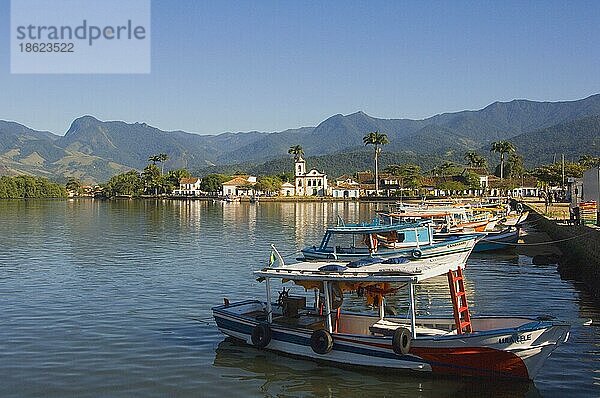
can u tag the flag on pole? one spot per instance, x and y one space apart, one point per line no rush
272 259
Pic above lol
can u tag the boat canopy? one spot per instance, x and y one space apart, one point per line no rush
374 269
376 228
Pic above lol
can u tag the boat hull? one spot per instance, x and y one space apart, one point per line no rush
493 241
514 352
449 246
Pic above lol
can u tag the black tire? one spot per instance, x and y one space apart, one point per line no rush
261 335
321 341
401 341
416 253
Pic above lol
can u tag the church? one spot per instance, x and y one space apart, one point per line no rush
312 183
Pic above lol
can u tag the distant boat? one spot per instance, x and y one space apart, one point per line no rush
491 240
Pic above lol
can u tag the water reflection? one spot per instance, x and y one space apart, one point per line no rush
85 284
282 376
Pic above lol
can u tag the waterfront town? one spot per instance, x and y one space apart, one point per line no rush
568 186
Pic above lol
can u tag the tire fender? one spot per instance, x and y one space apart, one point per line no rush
321 341
401 341
261 335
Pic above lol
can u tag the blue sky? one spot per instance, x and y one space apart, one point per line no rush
270 65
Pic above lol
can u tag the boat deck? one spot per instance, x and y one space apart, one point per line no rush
355 324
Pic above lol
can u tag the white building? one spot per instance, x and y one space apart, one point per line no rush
312 183
188 187
287 189
241 185
346 190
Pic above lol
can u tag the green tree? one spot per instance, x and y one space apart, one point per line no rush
474 159
589 161
551 174
286 177
129 183
152 179
515 165
296 150
269 184
502 147
160 158
172 178
472 180
376 139
451 186
213 182
74 185
410 175
447 168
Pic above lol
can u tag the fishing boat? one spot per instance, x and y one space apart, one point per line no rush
503 239
347 242
445 219
489 346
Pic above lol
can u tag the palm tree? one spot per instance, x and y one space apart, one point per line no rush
502 147
296 150
474 159
161 158
376 139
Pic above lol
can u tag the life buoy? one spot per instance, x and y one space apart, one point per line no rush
321 341
401 341
261 335
416 253
337 296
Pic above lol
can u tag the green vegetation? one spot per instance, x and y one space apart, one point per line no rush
551 174
74 185
129 183
376 139
502 147
160 158
269 184
409 174
29 187
475 160
296 150
589 161
212 183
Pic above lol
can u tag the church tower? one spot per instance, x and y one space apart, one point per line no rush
300 166
299 172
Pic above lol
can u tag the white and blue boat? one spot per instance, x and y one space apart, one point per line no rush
504 239
348 242
314 326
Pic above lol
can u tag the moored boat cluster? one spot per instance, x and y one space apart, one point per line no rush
399 249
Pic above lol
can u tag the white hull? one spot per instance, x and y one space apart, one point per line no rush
516 350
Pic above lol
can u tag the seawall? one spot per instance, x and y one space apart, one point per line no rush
580 246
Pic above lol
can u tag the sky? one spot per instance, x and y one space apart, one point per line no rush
220 66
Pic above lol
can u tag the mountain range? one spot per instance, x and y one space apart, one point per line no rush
94 150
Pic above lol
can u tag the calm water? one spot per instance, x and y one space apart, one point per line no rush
113 299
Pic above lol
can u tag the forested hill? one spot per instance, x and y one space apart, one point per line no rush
93 150
572 139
